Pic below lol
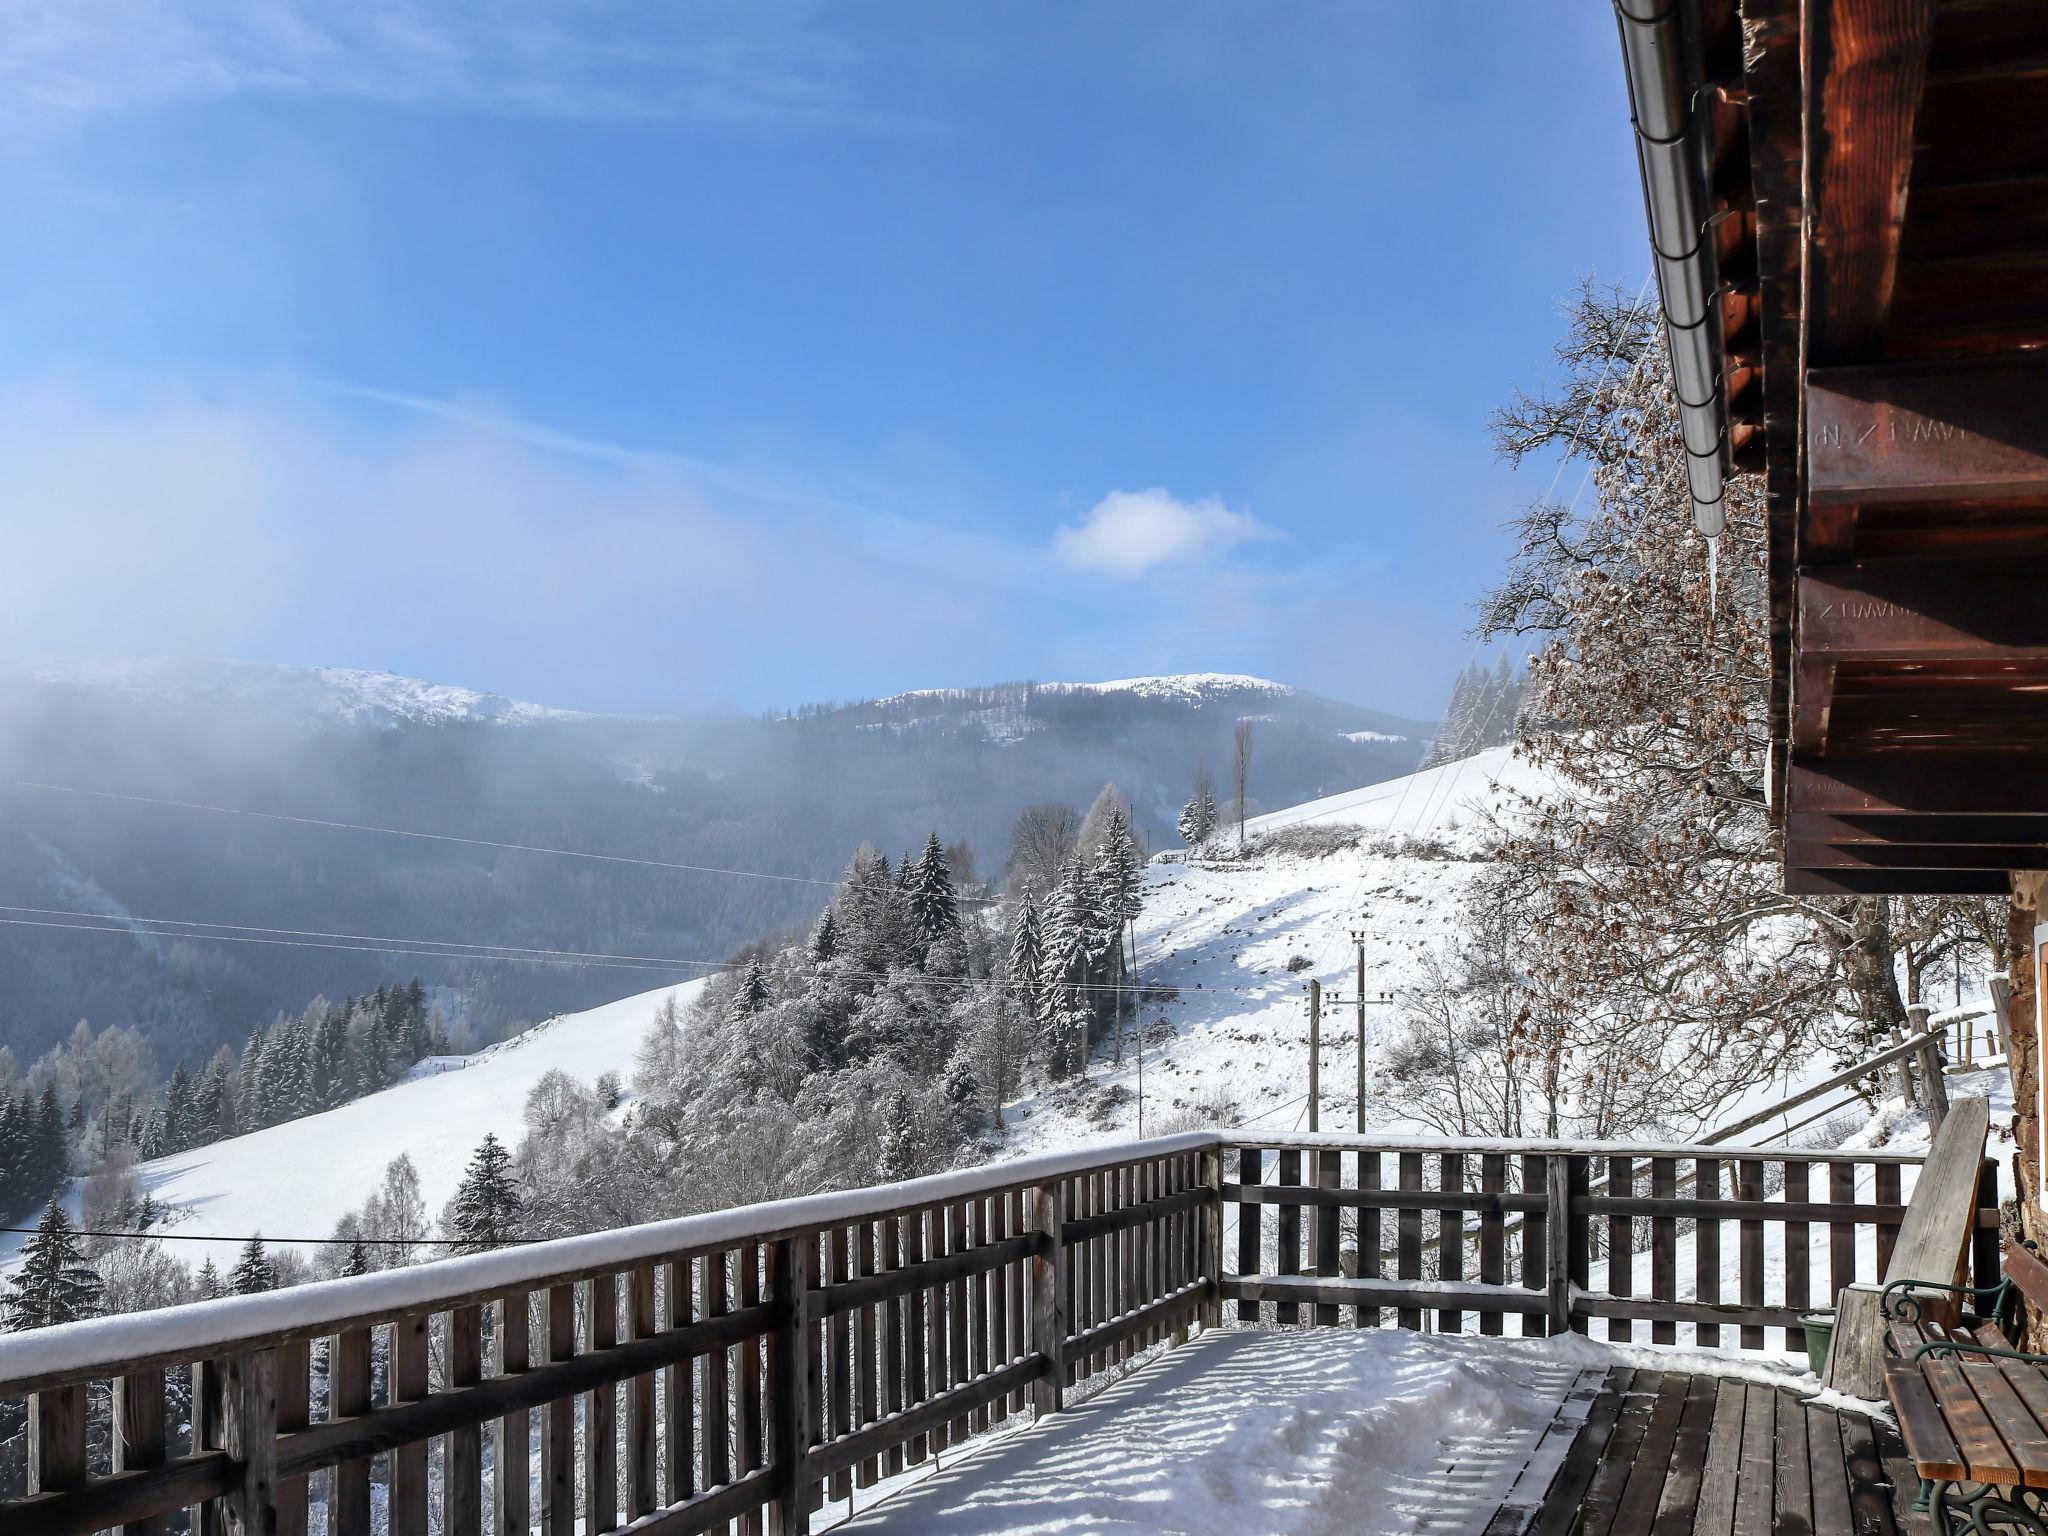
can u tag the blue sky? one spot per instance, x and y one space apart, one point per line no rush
624 356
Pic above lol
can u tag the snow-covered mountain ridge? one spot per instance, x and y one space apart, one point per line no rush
306 698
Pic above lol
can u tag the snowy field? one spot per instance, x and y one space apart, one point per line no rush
1282 1434
299 1178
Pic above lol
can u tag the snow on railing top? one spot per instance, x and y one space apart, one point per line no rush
106 1345
1342 1141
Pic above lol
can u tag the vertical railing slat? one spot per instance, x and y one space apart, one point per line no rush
918 1330
1536 1242
1621 1180
1250 1220
792 1366
601 1413
294 1410
979 1289
1048 1296
957 1320
1749 1173
1885 1189
678 1400
1370 1236
1408 1235
1329 1175
1706 1185
894 1349
407 1501
512 1456
1289 1222
348 1396
641 1447
1664 1247
1450 1236
208 1518
56 1440
139 1435
249 1435
1798 1244
558 1423
715 1420
1579 1229
753 1446
867 1345
839 1348
462 1488
1493 1180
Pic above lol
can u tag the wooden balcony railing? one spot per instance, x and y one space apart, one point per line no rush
739 1369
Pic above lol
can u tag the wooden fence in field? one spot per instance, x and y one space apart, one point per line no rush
737 1370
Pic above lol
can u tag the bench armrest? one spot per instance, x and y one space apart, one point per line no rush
1941 1348
1905 1307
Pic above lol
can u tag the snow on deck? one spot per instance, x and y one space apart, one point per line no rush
1318 1432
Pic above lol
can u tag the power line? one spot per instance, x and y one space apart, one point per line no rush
249 1237
594 961
656 964
370 938
443 837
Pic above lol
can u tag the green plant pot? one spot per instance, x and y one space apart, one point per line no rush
1820 1333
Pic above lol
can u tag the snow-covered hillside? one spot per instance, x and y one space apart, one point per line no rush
1224 933
299 1178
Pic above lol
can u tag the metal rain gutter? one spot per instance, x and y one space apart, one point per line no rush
1664 84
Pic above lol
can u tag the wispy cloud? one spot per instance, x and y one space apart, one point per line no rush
1128 534
753 64
269 520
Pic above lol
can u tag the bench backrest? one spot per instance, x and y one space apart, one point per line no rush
1934 1238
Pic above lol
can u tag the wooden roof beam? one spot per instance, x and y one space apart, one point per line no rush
1927 432
1867 69
1807 854
1896 882
1924 611
1921 783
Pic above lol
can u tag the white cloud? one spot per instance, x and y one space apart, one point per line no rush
736 64
1129 533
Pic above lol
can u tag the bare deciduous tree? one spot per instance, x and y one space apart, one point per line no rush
1646 881
1241 772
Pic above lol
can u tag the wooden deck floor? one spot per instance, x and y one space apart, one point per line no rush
1667 1454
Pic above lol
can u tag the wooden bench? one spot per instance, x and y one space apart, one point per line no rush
1933 1242
1972 1410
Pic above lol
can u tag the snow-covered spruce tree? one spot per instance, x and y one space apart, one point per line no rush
752 995
1665 970
54 1283
1074 948
1198 816
253 1271
487 1209
934 904
1120 882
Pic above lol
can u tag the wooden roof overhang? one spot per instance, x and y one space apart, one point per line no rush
1879 180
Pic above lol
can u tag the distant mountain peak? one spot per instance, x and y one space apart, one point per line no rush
1192 686
309 698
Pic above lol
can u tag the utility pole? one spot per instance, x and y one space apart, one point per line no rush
1315 1054
1360 1001
1358 938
